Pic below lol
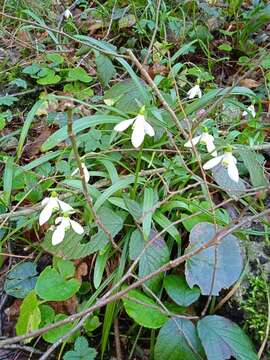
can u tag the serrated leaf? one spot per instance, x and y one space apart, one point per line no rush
30 317
179 291
21 280
221 339
149 317
81 351
225 264
105 68
255 168
178 340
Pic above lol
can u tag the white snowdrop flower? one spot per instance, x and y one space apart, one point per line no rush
85 172
228 161
205 139
194 91
67 14
52 204
251 110
63 224
140 128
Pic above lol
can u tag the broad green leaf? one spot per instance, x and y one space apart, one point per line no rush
52 285
148 203
225 264
105 69
55 58
8 100
48 77
21 280
232 188
155 255
72 248
179 291
148 316
53 335
221 339
255 168
79 125
81 351
78 74
178 340
19 83
29 318
125 95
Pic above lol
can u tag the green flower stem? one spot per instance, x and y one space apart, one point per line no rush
138 167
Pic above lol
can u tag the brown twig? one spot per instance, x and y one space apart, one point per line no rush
88 197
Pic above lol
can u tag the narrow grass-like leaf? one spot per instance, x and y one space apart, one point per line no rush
8 175
148 203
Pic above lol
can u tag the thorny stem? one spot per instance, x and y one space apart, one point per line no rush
84 184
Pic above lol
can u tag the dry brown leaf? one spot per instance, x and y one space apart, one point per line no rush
13 311
249 83
81 271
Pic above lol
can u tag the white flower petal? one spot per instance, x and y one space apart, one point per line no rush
193 141
213 162
58 235
58 220
233 171
45 201
64 206
123 125
251 110
45 214
76 227
75 172
210 146
148 129
194 91
138 131
86 173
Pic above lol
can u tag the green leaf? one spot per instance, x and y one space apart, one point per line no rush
21 280
148 203
155 255
255 168
100 264
8 100
165 223
79 90
125 95
78 74
225 47
57 59
31 69
20 83
48 77
72 248
7 180
225 264
53 335
30 317
232 188
179 291
81 351
221 339
52 285
105 69
178 340
147 316
79 125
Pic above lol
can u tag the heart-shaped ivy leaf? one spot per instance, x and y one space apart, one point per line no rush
52 285
224 263
221 339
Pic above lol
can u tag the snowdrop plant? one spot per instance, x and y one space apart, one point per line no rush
194 91
140 128
67 14
85 172
64 223
205 139
228 161
50 205
250 110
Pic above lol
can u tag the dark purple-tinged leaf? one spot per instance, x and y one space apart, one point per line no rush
178 340
223 262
